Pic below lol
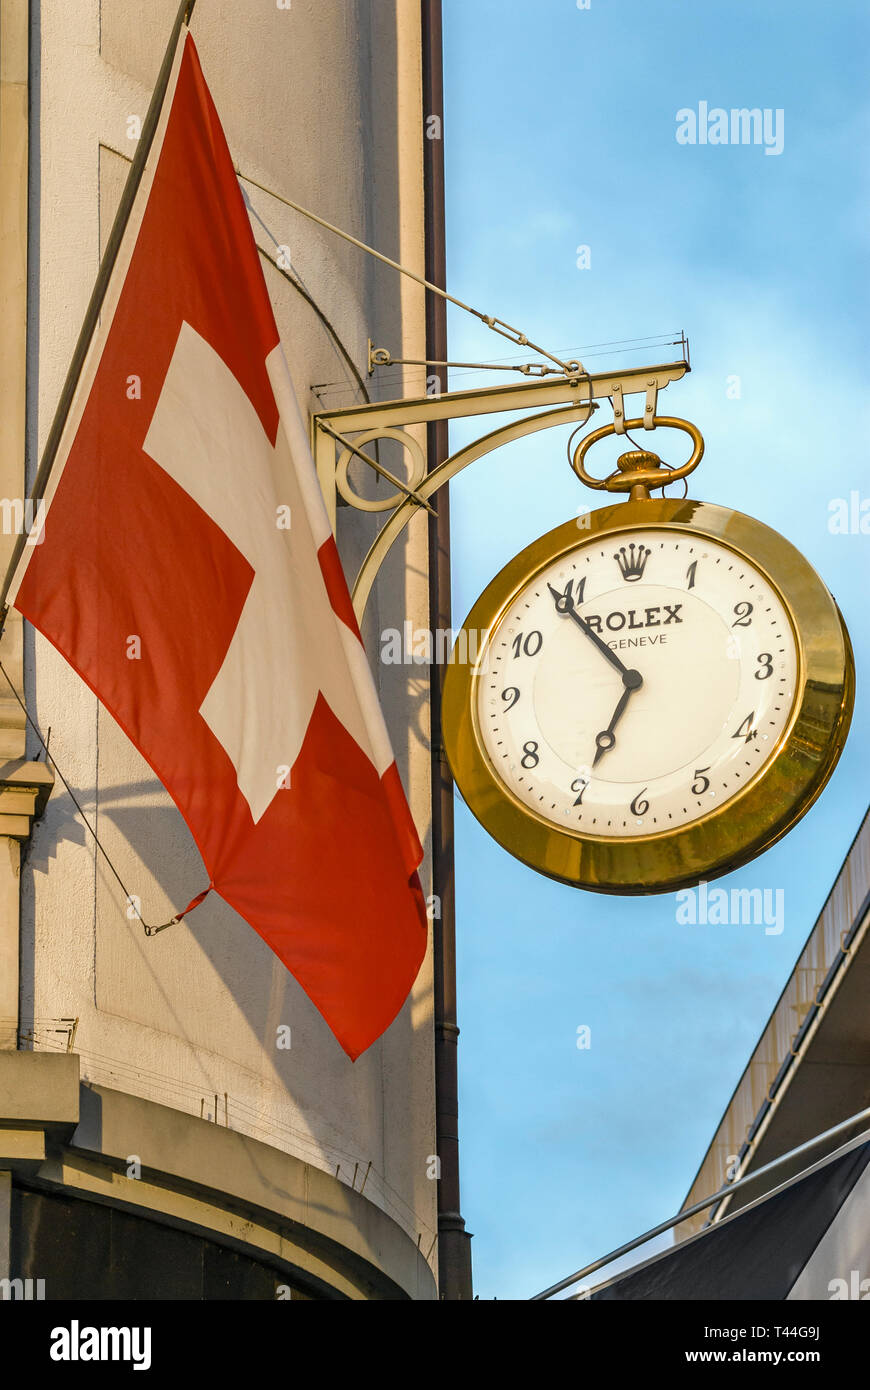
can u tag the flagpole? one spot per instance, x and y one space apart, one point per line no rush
98 293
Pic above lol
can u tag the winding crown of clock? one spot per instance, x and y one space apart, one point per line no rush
639 470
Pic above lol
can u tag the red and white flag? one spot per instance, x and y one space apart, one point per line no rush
189 574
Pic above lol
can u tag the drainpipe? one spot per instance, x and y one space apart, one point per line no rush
454 1242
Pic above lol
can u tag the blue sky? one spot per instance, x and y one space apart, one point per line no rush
561 131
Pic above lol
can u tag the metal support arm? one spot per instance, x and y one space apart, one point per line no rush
333 449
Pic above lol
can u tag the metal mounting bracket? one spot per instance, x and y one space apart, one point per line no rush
340 435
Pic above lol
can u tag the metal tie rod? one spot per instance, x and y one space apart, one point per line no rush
701 1206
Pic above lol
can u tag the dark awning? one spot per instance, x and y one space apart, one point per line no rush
760 1251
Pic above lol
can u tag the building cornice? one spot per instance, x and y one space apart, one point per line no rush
62 1135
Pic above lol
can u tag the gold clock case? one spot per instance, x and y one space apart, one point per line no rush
731 834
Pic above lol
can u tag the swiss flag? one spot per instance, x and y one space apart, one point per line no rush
189 574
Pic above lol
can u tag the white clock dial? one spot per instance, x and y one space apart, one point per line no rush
674 710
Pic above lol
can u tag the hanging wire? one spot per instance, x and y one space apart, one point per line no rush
496 324
643 449
386 377
385 374
295 279
670 468
301 289
131 900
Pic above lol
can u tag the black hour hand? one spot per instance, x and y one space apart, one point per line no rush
632 681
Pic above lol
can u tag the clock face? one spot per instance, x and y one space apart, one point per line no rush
636 683
652 701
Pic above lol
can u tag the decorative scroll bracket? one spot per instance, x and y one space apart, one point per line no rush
573 396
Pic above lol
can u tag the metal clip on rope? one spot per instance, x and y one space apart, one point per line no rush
152 931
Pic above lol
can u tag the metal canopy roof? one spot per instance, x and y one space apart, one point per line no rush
759 1252
811 1067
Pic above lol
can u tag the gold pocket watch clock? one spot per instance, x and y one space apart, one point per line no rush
652 697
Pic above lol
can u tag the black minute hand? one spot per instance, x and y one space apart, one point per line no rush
565 604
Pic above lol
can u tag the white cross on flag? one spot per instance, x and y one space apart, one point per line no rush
184 511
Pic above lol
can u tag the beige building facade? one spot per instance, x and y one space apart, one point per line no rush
149 1100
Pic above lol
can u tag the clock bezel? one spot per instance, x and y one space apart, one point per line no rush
729 834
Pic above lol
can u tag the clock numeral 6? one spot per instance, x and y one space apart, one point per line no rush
765 660
579 785
510 696
743 611
701 783
531 645
530 755
638 807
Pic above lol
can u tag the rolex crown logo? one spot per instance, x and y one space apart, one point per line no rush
632 564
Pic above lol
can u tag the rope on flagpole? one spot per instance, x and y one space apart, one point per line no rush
150 930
